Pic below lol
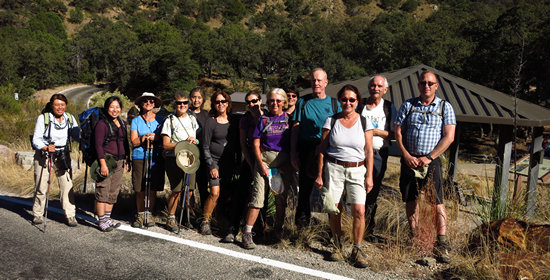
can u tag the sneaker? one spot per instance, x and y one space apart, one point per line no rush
113 224
248 241
171 224
441 252
71 221
37 220
205 228
138 222
229 238
150 220
358 258
104 226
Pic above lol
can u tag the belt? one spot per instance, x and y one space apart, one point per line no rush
345 164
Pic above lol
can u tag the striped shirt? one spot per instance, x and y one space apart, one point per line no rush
422 128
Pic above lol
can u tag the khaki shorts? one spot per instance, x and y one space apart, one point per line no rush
272 159
108 189
138 175
176 176
336 178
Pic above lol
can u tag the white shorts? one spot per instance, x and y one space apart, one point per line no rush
337 177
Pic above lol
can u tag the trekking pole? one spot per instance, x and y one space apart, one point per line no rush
183 202
148 162
50 156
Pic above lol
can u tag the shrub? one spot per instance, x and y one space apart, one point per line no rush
76 16
409 6
98 99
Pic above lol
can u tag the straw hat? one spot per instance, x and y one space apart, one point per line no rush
148 95
187 157
95 169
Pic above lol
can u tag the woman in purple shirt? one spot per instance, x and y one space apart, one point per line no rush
111 140
271 144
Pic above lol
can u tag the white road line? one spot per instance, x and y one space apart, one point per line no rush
202 246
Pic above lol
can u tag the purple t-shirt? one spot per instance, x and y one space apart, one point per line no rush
276 137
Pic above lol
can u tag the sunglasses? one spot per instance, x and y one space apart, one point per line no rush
252 101
424 83
275 100
218 102
182 102
150 100
350 100
293 96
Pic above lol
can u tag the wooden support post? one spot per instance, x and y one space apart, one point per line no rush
504 153
536 154
451 183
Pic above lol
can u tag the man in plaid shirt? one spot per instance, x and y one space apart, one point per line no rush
424 129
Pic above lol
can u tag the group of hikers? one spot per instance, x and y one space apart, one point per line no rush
314 143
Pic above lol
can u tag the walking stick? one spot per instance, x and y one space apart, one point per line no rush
50 156
148 163
184 202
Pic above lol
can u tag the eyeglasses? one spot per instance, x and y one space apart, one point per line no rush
350 100
274 100
218 102
150 100
423 83
252 101
182 102
292 96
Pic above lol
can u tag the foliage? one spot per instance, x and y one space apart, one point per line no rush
98 99
76 16
167 45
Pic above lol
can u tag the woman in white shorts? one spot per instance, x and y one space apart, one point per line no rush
345 162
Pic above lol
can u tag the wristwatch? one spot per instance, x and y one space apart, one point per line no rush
429 157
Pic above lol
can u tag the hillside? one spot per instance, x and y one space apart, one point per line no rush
163 46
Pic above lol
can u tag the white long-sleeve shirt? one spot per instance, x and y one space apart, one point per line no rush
58 134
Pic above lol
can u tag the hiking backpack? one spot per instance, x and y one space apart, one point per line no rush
88 121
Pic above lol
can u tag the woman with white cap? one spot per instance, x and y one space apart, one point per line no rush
144 131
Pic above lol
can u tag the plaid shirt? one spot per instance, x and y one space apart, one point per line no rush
421 131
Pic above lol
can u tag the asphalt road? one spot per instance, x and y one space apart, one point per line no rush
61 252
82 93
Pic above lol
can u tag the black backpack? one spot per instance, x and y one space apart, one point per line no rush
88 121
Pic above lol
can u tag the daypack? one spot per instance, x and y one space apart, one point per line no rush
88 121
440 113
338 115
266 123
387 110
47 127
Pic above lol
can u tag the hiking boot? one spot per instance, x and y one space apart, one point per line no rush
335 255
248 241
113 224
358 258
37 220
441 252
229 238
150 219
104 226
138 222
71 221
171 224
336 251
205 228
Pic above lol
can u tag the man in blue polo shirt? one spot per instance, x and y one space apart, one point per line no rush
311 112
424 129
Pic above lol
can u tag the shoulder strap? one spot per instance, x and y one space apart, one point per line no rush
442 109
363 122
334 117
334 103
387 112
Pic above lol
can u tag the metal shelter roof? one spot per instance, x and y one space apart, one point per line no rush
472 102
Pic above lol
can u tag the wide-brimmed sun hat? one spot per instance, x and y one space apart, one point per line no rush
95 169
146 96
187 157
